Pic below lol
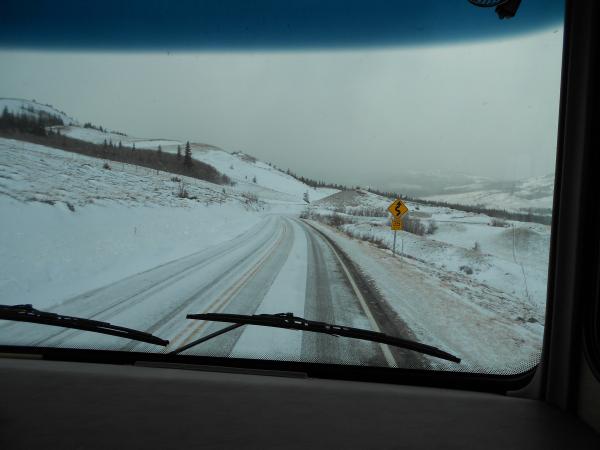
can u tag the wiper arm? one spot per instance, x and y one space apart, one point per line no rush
291 322
27 313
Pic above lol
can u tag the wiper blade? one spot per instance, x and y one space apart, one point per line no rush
291 322
27 313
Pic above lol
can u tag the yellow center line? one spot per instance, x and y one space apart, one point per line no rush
222 301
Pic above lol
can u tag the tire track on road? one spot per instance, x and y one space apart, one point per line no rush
325 305
382 315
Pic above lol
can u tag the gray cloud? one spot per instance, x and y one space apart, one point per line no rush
487 108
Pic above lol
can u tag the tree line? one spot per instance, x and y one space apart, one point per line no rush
27 123
315 183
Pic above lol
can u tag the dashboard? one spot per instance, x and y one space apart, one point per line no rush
53 404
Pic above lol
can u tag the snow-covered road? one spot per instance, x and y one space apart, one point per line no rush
279 265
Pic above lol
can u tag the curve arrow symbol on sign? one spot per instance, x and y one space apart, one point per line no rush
398 208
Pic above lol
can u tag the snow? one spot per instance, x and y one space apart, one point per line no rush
96 245
452 251
243 170
287 294
98 137
33 172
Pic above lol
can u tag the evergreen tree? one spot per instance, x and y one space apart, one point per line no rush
179 152
159 152
133 147
187 157
6 116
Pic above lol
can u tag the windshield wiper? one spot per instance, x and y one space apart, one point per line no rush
291 322
27 313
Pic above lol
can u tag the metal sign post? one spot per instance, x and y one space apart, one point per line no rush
397 209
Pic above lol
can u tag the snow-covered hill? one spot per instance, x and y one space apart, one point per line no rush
33 109
251 174
98 137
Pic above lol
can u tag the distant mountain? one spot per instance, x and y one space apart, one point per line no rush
419 183
533 194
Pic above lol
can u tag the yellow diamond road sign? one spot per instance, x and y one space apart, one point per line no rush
396 223
398 208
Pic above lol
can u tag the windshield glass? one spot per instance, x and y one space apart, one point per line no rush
402 185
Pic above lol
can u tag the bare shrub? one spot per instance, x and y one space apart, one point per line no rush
367 212
377 241
182 191
249 198
432 227
414 226
106 166
336 220
496 222
466 269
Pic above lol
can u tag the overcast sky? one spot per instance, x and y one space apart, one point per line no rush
488 108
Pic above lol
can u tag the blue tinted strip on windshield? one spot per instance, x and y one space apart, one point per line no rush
242 24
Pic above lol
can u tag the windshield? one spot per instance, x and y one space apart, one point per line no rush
402 183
